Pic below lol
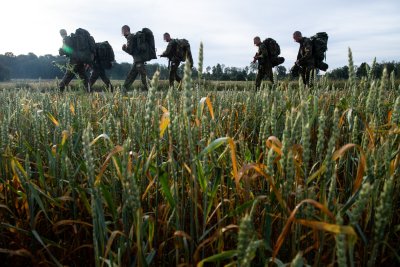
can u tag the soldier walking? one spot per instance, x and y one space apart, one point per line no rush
73 66
103 60
175 52
305 59
138 63
264 62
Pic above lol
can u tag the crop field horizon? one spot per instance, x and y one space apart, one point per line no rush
210 174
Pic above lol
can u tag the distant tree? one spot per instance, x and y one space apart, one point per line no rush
9 54
281 71
339 73
362 70
4 73
217 72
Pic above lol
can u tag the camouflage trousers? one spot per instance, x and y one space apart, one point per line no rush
264 70
99 71
137 68
307 75
79 69
173 73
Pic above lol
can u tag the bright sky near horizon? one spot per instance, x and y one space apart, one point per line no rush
371 28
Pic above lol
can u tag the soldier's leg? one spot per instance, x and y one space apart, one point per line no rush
303 73
81 71
270 74
311 77
142 70
171 75
130 78
177 78
259 77
68 76
93 77
105 79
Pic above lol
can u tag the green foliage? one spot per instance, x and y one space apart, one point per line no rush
168 178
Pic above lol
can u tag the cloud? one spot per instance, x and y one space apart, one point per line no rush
226 27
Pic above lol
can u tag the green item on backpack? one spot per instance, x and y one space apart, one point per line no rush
145 47
320 46
273 47
68 47
104 54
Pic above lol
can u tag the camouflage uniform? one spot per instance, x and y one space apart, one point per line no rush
264 65
73 68
138 64
99 71
306 60
174 61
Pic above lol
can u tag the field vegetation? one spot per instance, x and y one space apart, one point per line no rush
202 175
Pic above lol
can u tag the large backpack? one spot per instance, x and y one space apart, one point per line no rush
104 54
273 47
145 47
84 46
183 49
320 46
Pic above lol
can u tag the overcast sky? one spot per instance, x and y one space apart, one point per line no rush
371 28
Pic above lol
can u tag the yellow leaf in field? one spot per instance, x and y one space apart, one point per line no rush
65 135
187 168
72 108
103 135
164 123
210 107
54 150
53 120
234 162
328 227
164 109
274 144
361 165
110 156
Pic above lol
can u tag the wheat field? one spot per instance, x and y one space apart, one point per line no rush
202 177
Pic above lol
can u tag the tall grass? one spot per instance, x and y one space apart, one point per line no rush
202 176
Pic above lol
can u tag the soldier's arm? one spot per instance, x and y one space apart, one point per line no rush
168 50
128 47
308 52
263 51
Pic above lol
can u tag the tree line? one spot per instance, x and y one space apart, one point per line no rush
31 66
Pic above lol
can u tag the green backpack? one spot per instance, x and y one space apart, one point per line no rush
83 46
273 47
320 46
145 47
104 54
183 49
